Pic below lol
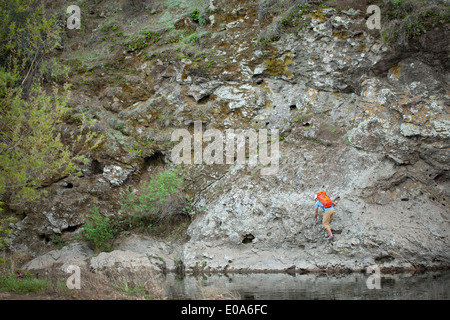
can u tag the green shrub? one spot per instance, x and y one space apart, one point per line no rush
405 20
99 230
162 197
397 3
31 117
199 17
29 284
192 38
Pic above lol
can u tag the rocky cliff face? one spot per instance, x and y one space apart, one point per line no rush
376 138
364 121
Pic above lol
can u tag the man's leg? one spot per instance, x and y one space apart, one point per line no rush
326 221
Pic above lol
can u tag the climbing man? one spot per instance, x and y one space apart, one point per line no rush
324 202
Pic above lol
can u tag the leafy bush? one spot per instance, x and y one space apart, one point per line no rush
29 284
276 7
272 32
199 17
193 38
283 14
99 230
161 198
31 118
405 20
27 35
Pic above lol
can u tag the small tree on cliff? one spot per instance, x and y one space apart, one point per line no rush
31 119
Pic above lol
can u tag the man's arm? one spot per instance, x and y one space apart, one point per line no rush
316 212
335 201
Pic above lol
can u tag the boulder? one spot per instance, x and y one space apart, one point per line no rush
73 254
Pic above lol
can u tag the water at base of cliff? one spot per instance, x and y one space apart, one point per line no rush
283 286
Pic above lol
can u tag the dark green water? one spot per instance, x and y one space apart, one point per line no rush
281 286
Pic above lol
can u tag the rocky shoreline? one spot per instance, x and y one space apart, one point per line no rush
137 254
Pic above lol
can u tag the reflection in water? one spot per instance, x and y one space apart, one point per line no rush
283 286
